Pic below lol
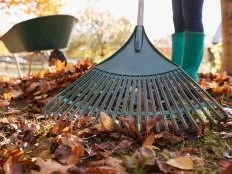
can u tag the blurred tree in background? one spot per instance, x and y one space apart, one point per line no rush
98 34
226 11
37 7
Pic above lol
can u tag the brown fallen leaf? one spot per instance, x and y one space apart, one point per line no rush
4 103
12 166
144 156
204 84
44 87
167 138
225 166
44 154
49 167
152 122
116 164
101 170
197 161
30 87
77 170
150 139
77 152
123 147
62 154
228 89
183 163
218 90
69 156
100 127
107 166
59 126
70 140
86 62
106 121
221 77
163 166
11 111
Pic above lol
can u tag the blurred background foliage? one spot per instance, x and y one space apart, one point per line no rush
97 34
37 7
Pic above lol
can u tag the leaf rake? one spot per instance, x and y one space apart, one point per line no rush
138 81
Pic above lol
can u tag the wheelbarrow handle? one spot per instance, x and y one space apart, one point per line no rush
140 12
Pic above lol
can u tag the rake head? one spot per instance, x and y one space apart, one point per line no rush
140 82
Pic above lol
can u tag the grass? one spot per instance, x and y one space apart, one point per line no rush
209 147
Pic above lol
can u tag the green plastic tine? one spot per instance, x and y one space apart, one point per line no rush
86 86
193 97
93 92
86 97
167 83
81 88
53 104
60 96
109 108
211 98
85 94
170 113
115 81
61 93
138 115
157 93
96 93
202 98
146 112
151 94
132 97
102 94
119 99
171 97
126 98
80 83
186 98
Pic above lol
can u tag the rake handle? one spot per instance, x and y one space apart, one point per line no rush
140 12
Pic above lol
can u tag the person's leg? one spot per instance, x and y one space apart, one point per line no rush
178 35
193 37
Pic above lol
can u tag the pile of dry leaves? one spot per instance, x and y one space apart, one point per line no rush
32 143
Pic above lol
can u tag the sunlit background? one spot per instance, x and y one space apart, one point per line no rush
116 20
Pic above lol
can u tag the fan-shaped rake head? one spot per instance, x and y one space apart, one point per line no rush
172 95
137 81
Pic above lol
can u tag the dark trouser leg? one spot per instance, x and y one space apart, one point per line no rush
192 14
178 36
193 37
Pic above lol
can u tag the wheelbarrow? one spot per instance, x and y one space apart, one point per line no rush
38 34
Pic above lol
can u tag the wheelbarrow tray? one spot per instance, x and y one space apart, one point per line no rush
42 33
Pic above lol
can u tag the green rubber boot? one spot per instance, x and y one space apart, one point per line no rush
177 48
193 53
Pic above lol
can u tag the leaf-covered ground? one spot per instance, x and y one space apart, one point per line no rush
33 143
